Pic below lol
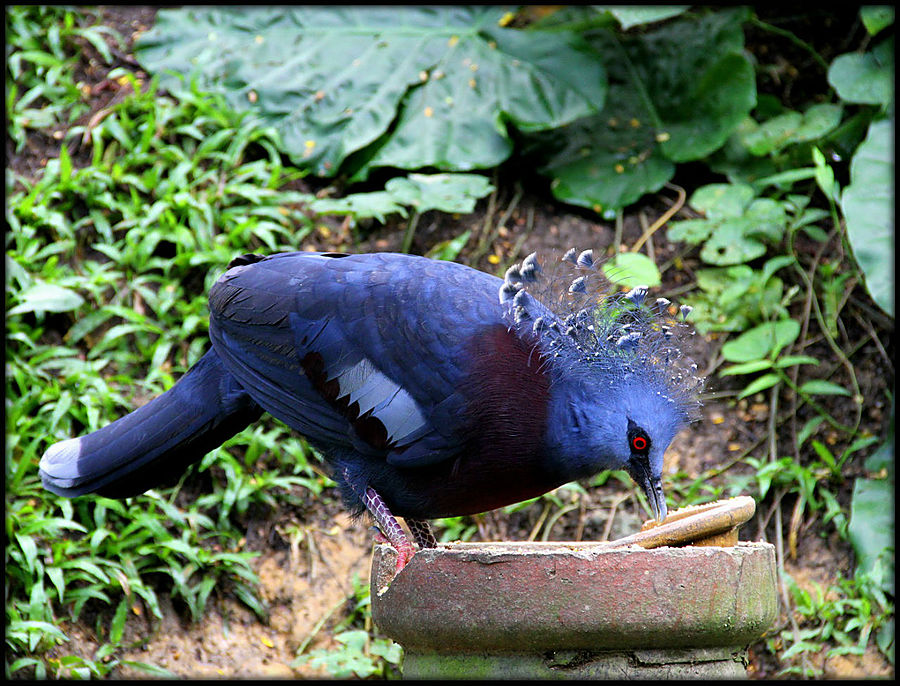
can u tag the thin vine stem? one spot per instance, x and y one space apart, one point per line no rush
799 42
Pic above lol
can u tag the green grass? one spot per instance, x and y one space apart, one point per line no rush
108 266
42 50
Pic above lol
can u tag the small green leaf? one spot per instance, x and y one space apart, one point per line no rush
791 360
808 429
47 297
858 444
58 580
444 192
377 204
776 263
761 340
118 623
824 174
791 127
630 17
747 367
65 165
422 192
735 281
153 670
729 243
722 200
789 177
875 18
29 549
823 387
824 453
760 384
815 233
632 269
691 231
449 249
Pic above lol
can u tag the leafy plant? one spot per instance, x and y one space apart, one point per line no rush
362 653
833 616
737 224
421 192
676 93
447 87
772 295
867 78
406 87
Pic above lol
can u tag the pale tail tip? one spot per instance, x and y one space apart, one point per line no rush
60 462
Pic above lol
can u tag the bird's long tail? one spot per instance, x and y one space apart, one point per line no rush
154 444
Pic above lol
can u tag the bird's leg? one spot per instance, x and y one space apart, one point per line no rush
421 531
389 526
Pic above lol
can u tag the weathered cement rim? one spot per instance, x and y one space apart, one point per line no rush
574 595
525 548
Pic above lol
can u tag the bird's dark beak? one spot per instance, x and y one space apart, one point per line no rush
652 489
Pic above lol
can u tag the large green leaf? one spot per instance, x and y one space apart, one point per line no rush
868 206
871 528
676 93
425 86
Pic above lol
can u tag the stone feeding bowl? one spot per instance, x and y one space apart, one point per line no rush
679 599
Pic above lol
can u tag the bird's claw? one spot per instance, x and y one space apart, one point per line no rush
405 550
404 555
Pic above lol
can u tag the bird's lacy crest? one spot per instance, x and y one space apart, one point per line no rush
586 326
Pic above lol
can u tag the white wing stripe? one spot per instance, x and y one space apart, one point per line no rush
387 401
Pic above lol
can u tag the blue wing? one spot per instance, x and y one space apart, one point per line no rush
359 351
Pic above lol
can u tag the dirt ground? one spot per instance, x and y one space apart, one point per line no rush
306 584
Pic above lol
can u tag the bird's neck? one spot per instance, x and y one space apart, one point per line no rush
507 390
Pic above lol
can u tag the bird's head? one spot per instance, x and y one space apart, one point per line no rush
627 424
621 386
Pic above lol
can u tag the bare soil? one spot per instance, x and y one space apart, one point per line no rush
306 582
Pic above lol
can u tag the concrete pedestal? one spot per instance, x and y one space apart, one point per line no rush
575 610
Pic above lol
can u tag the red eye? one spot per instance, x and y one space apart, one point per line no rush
639 443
